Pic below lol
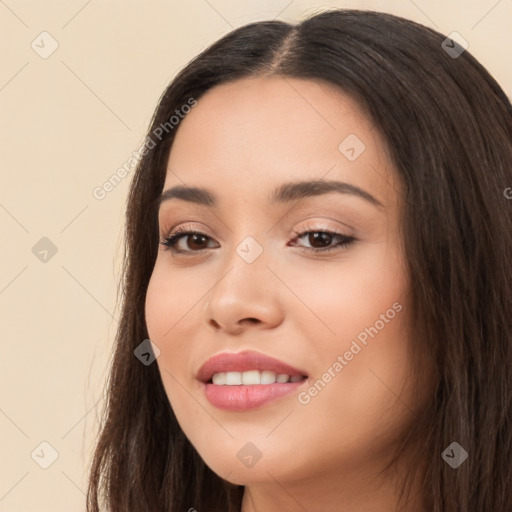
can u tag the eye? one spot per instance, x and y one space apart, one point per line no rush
320 240
197 240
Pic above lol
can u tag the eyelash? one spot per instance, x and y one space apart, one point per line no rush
169 241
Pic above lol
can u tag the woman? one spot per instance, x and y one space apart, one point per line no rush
318 246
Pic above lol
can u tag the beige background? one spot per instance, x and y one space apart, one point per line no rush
67 123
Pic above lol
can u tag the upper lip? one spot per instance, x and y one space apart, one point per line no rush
244 361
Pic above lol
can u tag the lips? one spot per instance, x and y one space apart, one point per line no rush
240 395
242 362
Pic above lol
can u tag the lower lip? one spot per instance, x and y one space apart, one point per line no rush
244 398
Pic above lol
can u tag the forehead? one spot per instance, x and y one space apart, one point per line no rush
252 132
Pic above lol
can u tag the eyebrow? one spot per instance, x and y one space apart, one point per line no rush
285 193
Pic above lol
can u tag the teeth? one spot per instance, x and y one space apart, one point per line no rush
233 378
268 377
252 377
219 378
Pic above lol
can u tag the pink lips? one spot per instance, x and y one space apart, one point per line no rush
242 362
244 397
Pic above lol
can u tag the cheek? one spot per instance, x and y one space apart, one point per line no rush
171 301
340 299
368 399
169 307
174 312
359 310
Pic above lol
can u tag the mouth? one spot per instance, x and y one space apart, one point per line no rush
247 380
253 377
247 368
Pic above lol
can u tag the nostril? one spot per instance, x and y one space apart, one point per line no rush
247 321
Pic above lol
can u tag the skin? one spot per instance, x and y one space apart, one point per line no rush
242 141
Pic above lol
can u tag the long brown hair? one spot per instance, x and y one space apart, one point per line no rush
447 126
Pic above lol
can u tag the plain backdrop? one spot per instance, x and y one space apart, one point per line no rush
79 81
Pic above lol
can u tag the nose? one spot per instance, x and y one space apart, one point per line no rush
245 297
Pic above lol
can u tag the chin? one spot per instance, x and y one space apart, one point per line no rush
247 467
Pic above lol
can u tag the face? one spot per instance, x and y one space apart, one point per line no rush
313 277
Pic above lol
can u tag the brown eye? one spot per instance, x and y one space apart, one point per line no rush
196 240
193 241
321 238
322 241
